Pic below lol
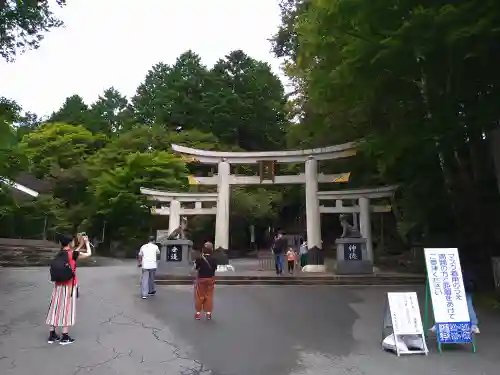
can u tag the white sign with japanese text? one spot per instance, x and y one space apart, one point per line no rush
405 313
446 286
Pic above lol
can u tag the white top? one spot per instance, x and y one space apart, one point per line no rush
148 253
303 248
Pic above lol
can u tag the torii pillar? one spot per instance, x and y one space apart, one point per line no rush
316 259
222 215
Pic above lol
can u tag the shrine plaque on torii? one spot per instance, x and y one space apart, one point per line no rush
267 170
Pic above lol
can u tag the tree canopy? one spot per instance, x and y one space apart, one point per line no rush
23 24
96 156
416 81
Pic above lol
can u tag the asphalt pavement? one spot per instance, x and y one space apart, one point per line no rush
256 330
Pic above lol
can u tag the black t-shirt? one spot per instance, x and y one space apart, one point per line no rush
206 268
76 254
280 245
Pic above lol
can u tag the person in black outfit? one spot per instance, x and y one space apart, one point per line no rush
205 265
279 248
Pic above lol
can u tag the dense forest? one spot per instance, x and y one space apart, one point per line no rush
96 156
417 82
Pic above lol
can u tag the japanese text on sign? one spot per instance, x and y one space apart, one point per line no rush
448 295
405 313
449 333
174 254
352 251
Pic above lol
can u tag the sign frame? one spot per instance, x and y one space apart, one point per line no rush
429 300
358 250
391 320
169 249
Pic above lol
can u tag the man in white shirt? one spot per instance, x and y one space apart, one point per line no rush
148 261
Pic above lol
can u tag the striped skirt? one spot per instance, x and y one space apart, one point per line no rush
62 306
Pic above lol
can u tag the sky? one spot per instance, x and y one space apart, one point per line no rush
115 42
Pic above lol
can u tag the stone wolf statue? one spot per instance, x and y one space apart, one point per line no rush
348 230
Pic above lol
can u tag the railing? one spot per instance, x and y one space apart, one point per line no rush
266 260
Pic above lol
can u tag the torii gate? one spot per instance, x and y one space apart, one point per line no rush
172 205
267 161
363 208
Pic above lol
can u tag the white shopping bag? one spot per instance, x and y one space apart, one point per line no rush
414 342
390 344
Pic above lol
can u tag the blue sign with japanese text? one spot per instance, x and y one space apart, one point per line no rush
454 333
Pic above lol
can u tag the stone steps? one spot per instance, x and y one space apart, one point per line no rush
26 253
298 280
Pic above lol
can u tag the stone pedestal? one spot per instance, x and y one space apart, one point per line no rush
175 256
352 257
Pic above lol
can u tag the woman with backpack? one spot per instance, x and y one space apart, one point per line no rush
205 265
63 300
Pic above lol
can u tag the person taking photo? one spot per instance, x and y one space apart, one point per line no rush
62 306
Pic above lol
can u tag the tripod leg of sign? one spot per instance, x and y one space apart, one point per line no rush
387 323
426 308
428 302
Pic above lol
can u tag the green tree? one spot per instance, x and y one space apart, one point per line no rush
394 75
11 160
74 111
147 139
27 123
23 24
57 154
8 114
109 115
173 96
239 100
249 107
117 198
55 146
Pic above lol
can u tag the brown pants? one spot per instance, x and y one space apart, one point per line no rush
204 294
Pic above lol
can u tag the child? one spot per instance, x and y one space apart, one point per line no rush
291 257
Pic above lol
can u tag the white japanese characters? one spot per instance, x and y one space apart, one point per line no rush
174 254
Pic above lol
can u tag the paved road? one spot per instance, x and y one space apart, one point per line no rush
257 330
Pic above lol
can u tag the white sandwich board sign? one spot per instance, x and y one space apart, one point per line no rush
406 322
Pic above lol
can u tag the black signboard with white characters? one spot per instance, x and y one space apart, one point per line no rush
352 251
174 253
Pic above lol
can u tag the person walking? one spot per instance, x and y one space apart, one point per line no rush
279 248
148 262
62 306
205 265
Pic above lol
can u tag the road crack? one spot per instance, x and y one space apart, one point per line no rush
198 368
